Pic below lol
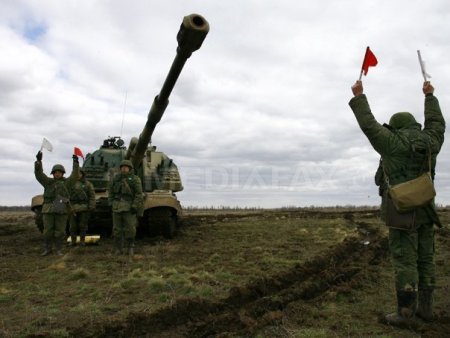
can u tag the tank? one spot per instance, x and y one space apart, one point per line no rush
159 174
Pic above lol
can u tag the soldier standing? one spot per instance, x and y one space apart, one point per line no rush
56 202
82 200
404 148
125 197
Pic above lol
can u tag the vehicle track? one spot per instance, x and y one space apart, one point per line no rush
261 302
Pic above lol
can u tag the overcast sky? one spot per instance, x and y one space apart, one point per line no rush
259 116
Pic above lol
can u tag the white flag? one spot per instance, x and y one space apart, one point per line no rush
425 75
46 144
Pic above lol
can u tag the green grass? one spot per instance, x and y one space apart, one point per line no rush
52 295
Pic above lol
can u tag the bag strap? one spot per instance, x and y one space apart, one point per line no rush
410 158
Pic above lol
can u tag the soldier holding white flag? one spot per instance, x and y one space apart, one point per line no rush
56 199
407 151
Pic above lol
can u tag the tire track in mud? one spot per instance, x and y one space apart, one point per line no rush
261 302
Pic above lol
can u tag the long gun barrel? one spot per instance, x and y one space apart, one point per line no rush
193 31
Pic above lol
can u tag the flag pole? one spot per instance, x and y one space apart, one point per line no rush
422 66
364 61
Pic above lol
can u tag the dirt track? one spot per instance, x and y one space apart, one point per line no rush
261 303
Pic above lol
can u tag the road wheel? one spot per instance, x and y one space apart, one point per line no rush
162 220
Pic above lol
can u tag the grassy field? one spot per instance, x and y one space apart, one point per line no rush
255 273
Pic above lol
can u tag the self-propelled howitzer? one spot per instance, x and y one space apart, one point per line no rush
159 175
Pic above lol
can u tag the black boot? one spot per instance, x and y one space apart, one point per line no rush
406 309
130 243
58 246
118 246
82 239
425 309
47 248
73 240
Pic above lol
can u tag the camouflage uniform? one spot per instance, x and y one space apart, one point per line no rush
82 199
56 203
412 252
126 198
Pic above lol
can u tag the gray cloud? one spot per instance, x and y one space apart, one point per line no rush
260 114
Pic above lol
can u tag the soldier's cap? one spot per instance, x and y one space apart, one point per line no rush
126 163
402 120
58 167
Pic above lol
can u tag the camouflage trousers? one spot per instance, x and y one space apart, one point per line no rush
79 223
54 226
412 256
124 224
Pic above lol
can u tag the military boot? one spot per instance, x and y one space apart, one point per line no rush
58 247
406 309
130 247
425 308
82 239
118 246
73 240
47 248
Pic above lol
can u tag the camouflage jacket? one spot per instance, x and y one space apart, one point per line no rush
55 189
82 195
125 194
404 152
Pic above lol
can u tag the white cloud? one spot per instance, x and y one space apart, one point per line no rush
259 115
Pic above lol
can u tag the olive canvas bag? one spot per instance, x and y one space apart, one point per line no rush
414 193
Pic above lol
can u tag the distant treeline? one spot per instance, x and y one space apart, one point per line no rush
15 208
285 208
229 208
295 208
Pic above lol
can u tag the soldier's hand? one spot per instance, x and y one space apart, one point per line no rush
75 158
427 88
39 156
357 88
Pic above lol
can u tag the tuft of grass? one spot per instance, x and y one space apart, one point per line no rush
59 333
58 266
156 284
214 259
136 273
79 273
202 291
310 333
6 298
179 281
167 270
165 297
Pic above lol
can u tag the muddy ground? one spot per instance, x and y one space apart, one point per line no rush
263 273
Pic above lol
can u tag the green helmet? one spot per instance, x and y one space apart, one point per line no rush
127 163
403 119
58 167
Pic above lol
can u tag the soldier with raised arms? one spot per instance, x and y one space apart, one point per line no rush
56 207
406 150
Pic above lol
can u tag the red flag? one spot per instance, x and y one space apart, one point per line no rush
78 152
370 60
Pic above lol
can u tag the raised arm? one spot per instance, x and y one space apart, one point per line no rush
377 134
72 179
39 171
434 124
